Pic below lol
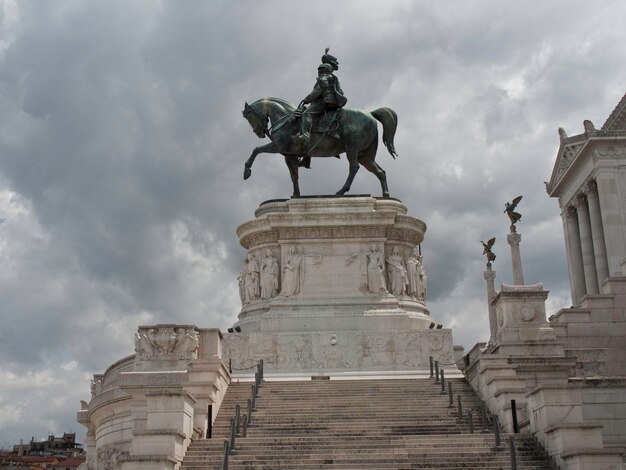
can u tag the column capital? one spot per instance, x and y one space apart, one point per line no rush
514 238
592 187
580 200
570 212
490 275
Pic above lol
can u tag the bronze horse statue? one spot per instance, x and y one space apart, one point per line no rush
353 132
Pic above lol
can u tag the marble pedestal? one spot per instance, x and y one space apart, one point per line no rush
331 309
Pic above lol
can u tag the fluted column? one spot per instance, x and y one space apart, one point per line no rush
570 269
597 231
514 239
586 243
576 257
490 276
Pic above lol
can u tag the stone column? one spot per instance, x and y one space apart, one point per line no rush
490 276
613 219
597 231
586 243
514 239
568 253
575 253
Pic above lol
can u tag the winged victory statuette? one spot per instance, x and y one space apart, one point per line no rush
491 257
510 211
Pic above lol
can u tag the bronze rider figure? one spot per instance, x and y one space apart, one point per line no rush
327 95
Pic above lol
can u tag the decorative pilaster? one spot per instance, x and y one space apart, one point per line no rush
586 243
514 240
575 252
597 231
490 276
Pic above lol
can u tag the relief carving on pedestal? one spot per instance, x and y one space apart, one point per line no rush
269 275
293 273
251 279
397 273
417 278
108 458
166 342
527 313
400 350
376 283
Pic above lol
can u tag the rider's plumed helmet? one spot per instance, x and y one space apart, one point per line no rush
326 68
330 59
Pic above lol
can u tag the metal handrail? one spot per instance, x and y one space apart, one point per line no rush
238 423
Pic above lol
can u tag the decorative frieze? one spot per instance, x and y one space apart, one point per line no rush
339 350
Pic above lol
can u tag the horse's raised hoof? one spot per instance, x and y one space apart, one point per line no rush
246 173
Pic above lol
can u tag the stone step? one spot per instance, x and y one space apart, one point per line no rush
356 424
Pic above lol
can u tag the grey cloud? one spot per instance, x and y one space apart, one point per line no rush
121 138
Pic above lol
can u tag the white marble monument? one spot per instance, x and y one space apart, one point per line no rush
351 294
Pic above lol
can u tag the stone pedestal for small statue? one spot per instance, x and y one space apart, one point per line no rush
334 284
522 324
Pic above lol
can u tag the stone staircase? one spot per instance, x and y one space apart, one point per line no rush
358 424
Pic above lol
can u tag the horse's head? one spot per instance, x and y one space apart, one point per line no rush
257 120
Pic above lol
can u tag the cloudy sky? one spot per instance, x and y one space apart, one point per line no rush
122 148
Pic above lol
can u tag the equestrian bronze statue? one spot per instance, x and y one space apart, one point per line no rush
324 129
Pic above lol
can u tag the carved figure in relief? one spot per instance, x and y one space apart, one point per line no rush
292 273
269 276
423 284
96 384
251 279
143 345
241 282
186 344
413 271
397 272
376 271
108 458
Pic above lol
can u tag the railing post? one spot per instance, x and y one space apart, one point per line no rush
512 449
256 377
245 426
483 417
450 396
209 423
226 452
443 382
230 366
436 372
262 371
496 427
253 397
470 417
237 418
431 367
460 409
249 410
514 417
232 434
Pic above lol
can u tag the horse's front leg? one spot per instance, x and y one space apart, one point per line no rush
292 164
267 148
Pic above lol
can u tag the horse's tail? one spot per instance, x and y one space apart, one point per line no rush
389 120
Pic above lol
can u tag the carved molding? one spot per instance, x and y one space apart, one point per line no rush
570 152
